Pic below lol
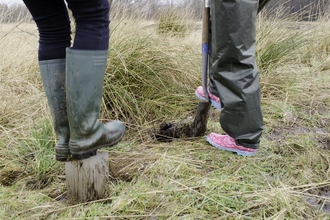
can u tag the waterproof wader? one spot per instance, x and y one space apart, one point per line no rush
234 75
53 79
85 71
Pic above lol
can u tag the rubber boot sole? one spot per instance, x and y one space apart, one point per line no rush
62 153
93 151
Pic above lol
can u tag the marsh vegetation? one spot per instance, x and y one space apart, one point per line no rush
153 69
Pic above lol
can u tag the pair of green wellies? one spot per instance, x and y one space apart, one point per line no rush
73 88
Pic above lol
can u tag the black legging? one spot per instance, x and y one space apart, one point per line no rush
52 19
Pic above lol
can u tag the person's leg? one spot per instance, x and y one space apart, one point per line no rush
52 20
53 24
85 68
92 24
53 78
234 75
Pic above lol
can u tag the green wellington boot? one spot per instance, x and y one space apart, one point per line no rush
53 79
85 71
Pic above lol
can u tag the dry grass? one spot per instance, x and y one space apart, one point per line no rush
186 179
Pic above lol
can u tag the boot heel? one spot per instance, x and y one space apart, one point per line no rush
62 158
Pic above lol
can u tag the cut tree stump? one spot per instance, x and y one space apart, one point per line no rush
87 180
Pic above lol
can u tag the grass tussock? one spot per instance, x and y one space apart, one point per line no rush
173 22
150 77
146 80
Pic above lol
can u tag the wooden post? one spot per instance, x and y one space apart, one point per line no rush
87 180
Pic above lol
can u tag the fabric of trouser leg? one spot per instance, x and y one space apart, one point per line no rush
92 24
52 20
53 78
85 71
234 75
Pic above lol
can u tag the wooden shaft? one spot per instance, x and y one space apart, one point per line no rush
206 22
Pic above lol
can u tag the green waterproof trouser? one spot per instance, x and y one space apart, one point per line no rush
234 75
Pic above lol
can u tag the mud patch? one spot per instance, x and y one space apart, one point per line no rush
279 133
187 128
324 142
321 200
